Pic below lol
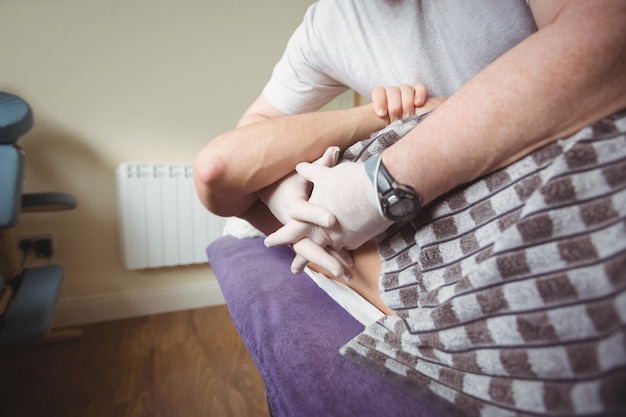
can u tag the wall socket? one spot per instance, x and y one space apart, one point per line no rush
41 244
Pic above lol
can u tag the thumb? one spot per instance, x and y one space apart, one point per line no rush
310 171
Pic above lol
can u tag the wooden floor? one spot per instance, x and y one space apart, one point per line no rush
183 364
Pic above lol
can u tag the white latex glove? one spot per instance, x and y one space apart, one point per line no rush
280 196
345 191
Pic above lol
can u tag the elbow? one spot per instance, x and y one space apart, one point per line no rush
208 175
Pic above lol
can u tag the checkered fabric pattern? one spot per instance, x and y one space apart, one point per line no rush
510 292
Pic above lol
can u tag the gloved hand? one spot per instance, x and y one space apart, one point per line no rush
343 190
280 196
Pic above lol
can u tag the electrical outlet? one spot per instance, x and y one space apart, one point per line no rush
41 244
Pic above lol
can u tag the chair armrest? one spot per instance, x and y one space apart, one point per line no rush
40 202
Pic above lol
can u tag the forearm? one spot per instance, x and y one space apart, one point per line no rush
566 76
233 167
260 216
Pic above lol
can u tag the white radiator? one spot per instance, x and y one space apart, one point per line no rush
162 221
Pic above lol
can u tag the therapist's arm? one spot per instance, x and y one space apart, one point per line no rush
389 104
569 74
234 166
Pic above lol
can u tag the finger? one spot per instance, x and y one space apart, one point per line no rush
379 100
421 95
310 171
298 264
288 234
408 98
330 157
346 257
394 103
309 251
343 256
310 213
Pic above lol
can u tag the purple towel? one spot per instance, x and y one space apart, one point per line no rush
293 331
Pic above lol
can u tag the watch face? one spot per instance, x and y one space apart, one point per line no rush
398 202
400 206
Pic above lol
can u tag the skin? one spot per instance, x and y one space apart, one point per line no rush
566 76
230 186
227 186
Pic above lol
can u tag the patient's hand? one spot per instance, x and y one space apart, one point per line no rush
398 102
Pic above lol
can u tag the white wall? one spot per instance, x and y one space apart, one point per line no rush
128 80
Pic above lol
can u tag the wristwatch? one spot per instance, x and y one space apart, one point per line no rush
396 201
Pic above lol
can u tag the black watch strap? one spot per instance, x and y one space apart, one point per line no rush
397 202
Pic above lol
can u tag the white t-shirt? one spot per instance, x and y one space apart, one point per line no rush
362 44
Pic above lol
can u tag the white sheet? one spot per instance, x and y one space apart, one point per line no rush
353 302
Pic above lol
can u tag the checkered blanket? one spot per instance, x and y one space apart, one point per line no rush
510 291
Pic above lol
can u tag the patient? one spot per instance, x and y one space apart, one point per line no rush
520 268
242 186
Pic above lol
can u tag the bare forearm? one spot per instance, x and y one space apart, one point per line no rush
566 76
260 216
232 167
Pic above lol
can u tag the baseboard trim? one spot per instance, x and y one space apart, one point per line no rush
86 310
